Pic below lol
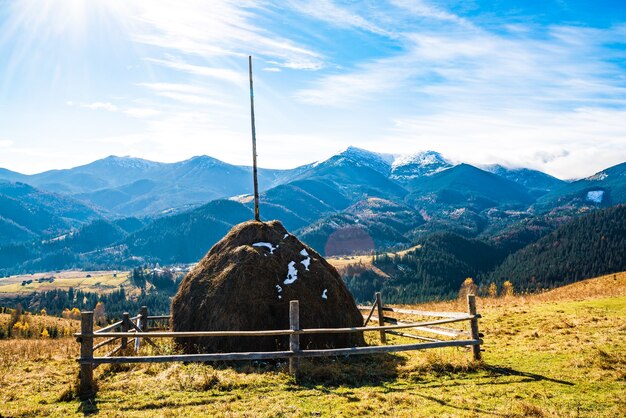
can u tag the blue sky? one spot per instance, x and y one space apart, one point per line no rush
540 84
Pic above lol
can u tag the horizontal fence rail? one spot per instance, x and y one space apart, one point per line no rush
137 328
268 355
419 313
265 333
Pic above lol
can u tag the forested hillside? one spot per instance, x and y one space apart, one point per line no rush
588 246
434 270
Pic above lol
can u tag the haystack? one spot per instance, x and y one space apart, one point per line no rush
245 282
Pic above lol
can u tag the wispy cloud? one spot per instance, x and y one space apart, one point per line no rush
398 75
216 29
329 12
191 94
430 11
566 144
109 107
5 143
142 112
452 67
225 74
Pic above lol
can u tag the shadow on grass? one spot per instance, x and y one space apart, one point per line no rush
88 406
460 408
497 371
492 372
349 371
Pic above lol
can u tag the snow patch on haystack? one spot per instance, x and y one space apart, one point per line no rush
307 261
265 244
292 273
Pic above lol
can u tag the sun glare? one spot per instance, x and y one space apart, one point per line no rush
65 18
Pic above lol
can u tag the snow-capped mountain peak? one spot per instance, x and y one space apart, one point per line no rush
425 163
127 162
379 162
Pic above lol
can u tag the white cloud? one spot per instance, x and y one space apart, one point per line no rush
219 28
429 11
564 144
109 107
5 143
328 12
141 112
219 73
191 94
177 87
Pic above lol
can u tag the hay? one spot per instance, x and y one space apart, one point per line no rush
245 282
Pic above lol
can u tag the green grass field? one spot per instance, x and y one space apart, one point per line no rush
562 354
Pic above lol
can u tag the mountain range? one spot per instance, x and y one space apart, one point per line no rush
124 211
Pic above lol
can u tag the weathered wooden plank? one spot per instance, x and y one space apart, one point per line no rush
449 332
294 339
471 307
115 350
86 384
427 313
283 354
417 337
370 314
189 334
105 342
126 323
109 327
381 320
159 317
136 335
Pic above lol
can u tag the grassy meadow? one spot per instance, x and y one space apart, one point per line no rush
561 353
88 281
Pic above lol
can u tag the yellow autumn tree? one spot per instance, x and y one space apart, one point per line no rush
507 289
43 312
99 316
21 329
75 313
468 288
66 313
493 290
44 333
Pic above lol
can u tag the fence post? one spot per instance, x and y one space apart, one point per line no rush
471 305
143 320
381 318
86 388
294 339
125 323
142 324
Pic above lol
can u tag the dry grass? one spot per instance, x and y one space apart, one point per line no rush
98 281
44 321
610 285
552 355
364 262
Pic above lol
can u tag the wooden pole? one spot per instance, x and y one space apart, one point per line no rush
381 318
294 339
254 169
143 319
125 327
471 305
142 325
87 388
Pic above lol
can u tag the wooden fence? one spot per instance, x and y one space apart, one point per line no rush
137 328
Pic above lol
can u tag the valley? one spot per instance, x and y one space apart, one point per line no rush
459 220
